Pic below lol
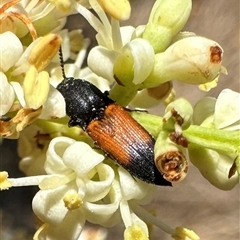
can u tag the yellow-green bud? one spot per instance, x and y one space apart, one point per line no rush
167 18
44 51
193 60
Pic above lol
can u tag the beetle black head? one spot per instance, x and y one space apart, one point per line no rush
84 101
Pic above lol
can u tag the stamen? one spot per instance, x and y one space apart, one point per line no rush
37 233
125 212
93 21
7 5
72 200
149 218
27 181
116 35
82 53
5 184
103 27
23 18
28 23
56 181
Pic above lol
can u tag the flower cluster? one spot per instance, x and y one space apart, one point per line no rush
136 67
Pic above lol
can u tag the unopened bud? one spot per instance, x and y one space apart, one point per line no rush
167 18
193 60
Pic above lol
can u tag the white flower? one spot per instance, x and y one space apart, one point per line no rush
216 160
223 112
80 187
116 43
22 77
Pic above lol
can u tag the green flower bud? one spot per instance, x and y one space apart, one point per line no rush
193 60
167 18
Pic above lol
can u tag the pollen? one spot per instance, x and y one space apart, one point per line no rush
44 51
62 5
72 200
118 9
5 184
135 232
35 87
184 233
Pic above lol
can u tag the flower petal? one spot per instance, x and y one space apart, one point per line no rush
10 50
203 109
106 214
143 55
54 106
49 206
101 213
214 167
100 61
97 190
81 158
19 93
54 162
227 109
70 228
132 188
7 95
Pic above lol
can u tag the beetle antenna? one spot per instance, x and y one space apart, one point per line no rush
61 62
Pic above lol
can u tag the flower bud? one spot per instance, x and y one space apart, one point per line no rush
193 60
167 18
214 166
169 158
118 9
